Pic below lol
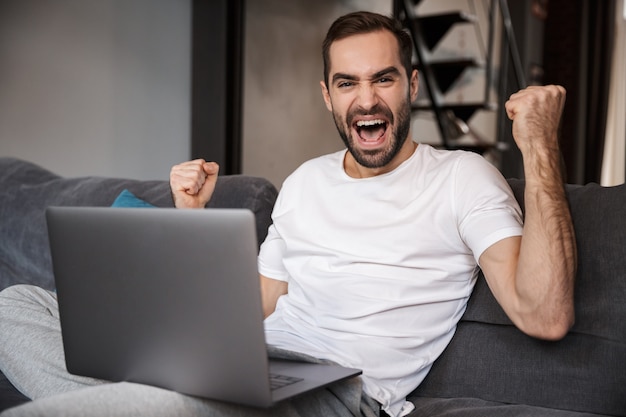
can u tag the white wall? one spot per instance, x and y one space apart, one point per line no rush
92 87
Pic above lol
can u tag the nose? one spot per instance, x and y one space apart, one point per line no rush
367 97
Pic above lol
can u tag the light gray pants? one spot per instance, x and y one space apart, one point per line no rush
31 357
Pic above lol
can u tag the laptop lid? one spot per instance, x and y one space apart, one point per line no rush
170 298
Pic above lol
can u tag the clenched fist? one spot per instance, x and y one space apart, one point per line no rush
193 182
536 115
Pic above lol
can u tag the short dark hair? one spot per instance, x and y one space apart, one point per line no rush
366 22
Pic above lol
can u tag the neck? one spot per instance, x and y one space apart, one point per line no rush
356 170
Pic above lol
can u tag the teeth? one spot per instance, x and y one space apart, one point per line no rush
362 123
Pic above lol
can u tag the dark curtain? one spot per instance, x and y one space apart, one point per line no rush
578 42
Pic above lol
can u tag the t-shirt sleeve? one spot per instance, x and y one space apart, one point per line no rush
272 252
487 211
270 260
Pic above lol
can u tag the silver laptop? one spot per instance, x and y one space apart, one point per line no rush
170 298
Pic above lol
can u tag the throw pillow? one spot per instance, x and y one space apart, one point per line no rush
128 199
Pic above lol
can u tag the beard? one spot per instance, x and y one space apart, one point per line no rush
377 158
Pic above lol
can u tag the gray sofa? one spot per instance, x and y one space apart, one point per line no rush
489 369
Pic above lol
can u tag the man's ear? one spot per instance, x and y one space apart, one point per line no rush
326 96
414 85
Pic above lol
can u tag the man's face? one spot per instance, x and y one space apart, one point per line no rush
370 97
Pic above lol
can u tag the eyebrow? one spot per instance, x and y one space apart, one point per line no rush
386 71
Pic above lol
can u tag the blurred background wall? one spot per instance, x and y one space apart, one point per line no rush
95 87
104 87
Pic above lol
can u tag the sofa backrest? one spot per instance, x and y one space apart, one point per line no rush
27 189
491 359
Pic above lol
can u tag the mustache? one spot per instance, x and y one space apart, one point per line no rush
376 109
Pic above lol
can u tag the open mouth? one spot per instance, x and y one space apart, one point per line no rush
371 131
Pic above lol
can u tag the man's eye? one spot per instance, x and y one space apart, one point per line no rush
384 80
345 84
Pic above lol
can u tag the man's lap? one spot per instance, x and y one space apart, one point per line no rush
129 399
31 356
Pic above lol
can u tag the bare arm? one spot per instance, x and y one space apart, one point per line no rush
532 276
193 182
271 290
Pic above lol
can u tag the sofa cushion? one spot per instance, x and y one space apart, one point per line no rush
489 358
499 363
27 189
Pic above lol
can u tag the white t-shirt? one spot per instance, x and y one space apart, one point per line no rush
380 269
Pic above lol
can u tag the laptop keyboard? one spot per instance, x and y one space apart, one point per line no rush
279 381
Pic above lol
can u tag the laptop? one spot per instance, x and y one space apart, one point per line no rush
170 298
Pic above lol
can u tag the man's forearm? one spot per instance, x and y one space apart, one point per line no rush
547 259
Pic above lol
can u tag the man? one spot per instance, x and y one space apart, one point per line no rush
373 251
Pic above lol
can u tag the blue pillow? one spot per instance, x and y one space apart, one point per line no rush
128 199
